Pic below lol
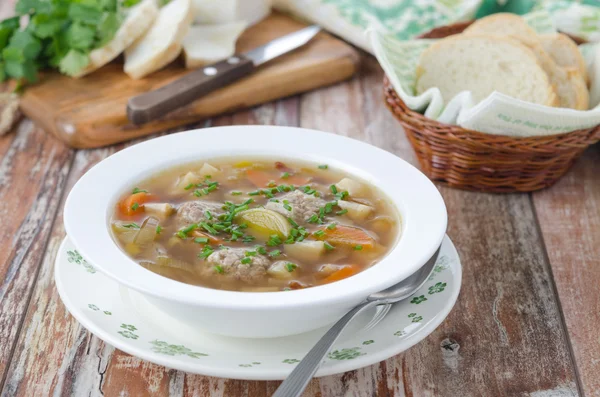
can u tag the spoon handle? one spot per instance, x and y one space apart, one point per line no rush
296 382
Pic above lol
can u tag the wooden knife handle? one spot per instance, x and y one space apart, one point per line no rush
154 104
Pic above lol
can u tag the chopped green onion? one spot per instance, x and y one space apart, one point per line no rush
206 252
323 166
290 267
292 222
274 200
319 233
274 253
333 189
137 190
285 175
342 212
201 240
254 193
313 219
189 186
358 247
135 206
271 183
250 253
158 229
332 226
286 205
247 202
261 250
197 193
236 193
208 228
274 240
132 225
329 207
219 269
248 239
328 246
246 260
208 215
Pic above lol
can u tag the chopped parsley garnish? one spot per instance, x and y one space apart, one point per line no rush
132 225
274 253
285 175
290 267
323 166
358 247
332 226
274 240
342 212
206 252
158 229
246 260
135 206
261 250
328 246
137 190
219 269
201 240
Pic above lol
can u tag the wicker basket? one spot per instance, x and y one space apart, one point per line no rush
472 160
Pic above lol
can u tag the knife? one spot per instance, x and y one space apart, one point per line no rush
154 104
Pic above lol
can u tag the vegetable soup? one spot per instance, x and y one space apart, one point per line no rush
255 225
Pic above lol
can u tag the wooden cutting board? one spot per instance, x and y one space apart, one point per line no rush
90 112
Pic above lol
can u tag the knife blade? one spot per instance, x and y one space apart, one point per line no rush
154 104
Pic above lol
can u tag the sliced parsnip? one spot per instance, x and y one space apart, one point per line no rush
262 223
327 269
208 169
162 210
189 178
305 251
356 211
354 188
284 270
207 44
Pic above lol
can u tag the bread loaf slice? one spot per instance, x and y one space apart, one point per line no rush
136 23
504 24
483 64
564 51
162 43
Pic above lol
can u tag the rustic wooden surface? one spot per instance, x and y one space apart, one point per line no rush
526 322
90 112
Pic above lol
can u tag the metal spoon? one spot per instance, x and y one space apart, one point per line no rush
296 382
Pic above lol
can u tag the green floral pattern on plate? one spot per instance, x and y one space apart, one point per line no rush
414 318
437 288
418 299
128 331
162 347
368 342
290 361
345 354
75 257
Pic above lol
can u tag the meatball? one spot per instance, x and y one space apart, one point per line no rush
230 261
303 205
195 211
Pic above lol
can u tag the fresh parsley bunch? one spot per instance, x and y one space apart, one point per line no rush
58 34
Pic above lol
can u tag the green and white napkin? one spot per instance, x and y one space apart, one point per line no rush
497 114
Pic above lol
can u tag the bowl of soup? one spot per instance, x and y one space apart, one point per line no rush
255 231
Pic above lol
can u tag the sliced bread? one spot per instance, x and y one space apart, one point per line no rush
162 42
483 64
564 51
210 43
136 23
504 24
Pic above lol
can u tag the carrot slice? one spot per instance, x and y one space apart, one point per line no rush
133 204
341 274
259 178
347 235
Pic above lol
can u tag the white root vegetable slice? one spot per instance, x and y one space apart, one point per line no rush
305 251
207 44
162 210
208 169
162 42
354 188
356 211
281 270
189 178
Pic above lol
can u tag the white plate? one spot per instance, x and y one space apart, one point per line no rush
122 318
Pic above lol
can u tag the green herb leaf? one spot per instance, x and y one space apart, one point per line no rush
74 62
80 36
132 225
107 28
342 212
130 3
332 226
159 229
236 193
201 240
358 247
285 175
135 206
323 166
261 250
219 269
85 13
274 253
137 190
319 233
290 267
328 246
246 260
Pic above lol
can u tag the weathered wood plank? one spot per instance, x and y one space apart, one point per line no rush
569 217
33 169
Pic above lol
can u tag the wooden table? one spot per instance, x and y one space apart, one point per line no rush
527 322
